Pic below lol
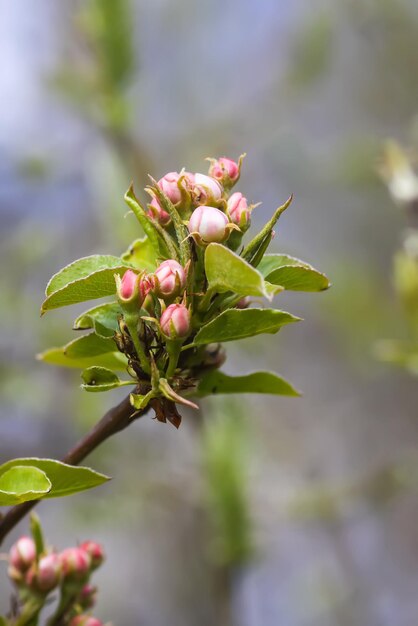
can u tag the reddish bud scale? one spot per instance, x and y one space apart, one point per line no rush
175 321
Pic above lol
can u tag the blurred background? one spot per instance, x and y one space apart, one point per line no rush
260 511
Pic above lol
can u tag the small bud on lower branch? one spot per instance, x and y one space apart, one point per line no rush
175 321
76 564
22 554
170 279
95 552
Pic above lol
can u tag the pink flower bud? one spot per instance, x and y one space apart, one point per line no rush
169 185
209 223
157 212
128 285
244 303
87 597
171 279
95 552
206 189
225 170
238 210
85 620
48 573
175 321
22 554
76 564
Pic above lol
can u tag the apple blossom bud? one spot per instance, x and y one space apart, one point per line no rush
206 190
156 211
22 554
95 552
209 223
128 286
85 620
238 210
175 321
170 279
169 185
225 170
48 573
87 597
76 564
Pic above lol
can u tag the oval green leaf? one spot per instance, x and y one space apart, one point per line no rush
103 319
291 273
102 379
240 323
65 479
226 271
217 382
86 279
141 254
22 483
57 356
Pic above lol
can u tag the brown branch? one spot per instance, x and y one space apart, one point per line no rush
115 420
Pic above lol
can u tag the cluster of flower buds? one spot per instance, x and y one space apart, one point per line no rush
167 283
39 574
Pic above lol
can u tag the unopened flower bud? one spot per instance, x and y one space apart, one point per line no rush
156 211
128 286
48 573
22 554
209 223
170 279
238 210
225 170
85 620
206 190
87 597
175 321
169 185
76 564
95 552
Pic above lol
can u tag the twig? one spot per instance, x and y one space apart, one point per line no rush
115 420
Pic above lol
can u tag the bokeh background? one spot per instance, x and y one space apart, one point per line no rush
260 511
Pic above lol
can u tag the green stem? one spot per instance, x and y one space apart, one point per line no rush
173 350
132 324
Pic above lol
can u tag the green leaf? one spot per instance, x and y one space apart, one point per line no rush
216 382
22 483
88 345
139 402
255 249
141 254
102 379
65 479
103 319
111 360
240 323
291 273
37 534
152 229
86 279
226 271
